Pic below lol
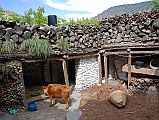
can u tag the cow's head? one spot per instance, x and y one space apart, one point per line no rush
45 89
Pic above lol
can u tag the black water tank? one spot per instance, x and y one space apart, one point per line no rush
52 20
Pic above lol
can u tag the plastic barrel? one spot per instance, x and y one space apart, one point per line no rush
52 20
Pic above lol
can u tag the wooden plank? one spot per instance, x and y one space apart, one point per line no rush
129 69
65 72
38 98
132 52
145 71
145 52
106 68
83 56
99 69
34 60
24 94
117 53
130 45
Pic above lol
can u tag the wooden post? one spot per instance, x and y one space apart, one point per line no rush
106 68
99 69
65 72
24 94
129 69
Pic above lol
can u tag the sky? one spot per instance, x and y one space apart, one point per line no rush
65 8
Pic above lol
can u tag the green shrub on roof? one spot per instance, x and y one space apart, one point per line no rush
37 47
8 47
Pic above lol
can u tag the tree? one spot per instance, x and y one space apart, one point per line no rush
15 17
155 4
1 13
39 18
61 20
28 16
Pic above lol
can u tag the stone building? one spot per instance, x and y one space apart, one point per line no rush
83 55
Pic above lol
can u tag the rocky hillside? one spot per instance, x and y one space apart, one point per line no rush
128 8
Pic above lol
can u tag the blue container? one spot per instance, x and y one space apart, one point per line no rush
32 106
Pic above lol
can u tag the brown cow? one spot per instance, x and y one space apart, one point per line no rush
58 91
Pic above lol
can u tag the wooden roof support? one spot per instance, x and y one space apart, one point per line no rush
65 72
24 94
99 69
106 68
129 69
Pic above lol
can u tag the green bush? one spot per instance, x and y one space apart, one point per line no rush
1 13
83 21
155 4
37 47
63 43
8 47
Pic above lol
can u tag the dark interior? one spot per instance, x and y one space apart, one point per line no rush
43 73
33 73
71 71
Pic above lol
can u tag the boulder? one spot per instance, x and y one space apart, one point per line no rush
152 97
15 37
26 34
118 98
156 23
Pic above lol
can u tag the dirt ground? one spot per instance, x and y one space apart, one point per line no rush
95 106
44 112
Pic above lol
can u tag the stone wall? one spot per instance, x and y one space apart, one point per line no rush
120 30
86 72
11 86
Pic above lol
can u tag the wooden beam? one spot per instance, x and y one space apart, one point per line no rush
83 56
34 60
146 71
130 45
99 69
129 69
65 72
117 53
59 59
24 94
145 52
106 68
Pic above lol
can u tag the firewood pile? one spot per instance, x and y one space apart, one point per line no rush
141 85
119 30
11 86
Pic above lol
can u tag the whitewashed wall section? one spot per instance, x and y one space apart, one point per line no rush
86 72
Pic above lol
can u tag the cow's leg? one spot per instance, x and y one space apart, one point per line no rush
50 101
67 102
54 101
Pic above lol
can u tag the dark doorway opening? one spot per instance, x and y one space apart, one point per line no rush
71 71
33 75
54 72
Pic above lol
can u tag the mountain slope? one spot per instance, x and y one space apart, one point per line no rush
128 8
